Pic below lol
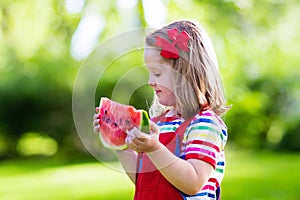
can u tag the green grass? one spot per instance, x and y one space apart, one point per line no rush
262 176
249 176
35 180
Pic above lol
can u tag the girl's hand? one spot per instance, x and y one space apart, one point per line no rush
142 142
96 124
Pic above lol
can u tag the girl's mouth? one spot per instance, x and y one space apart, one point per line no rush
157 91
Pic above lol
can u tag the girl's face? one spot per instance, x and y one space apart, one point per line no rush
160 77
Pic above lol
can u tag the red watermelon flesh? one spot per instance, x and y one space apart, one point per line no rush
115 119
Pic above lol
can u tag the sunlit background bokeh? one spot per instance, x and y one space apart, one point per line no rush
43 43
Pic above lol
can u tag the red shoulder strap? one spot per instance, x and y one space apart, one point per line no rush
179 135
180 130
156 119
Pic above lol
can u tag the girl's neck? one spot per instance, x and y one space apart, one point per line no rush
173 112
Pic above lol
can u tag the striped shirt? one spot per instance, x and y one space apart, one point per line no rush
204 139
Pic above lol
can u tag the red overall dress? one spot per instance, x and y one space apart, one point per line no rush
150 183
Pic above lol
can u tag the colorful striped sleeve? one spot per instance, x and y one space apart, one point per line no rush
205 138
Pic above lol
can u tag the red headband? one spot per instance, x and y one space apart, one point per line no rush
179 40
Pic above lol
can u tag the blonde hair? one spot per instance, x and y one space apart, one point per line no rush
197 78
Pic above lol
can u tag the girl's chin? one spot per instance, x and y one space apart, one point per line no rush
166 103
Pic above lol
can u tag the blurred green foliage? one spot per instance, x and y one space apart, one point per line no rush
257 44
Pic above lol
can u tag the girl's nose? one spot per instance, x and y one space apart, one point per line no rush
151 81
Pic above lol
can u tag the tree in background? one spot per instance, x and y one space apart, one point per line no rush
43 43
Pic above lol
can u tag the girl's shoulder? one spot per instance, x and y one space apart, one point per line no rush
208 117
207 124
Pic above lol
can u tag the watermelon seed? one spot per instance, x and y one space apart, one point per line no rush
108 120
127 122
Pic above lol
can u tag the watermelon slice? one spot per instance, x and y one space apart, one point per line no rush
115 119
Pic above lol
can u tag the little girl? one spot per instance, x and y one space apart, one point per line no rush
183 157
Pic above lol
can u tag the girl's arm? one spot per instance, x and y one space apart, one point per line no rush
128 159
188 176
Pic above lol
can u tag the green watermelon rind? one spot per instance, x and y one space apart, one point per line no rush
145 124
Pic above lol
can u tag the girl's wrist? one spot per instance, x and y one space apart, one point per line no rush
156 147
127 150
159 146
162 157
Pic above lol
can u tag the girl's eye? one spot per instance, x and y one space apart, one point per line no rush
157 75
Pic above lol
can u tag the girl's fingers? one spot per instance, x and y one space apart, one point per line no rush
132 143
138 141
96 129
96 122
137 133
96 116
128 140
131 132
153 128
